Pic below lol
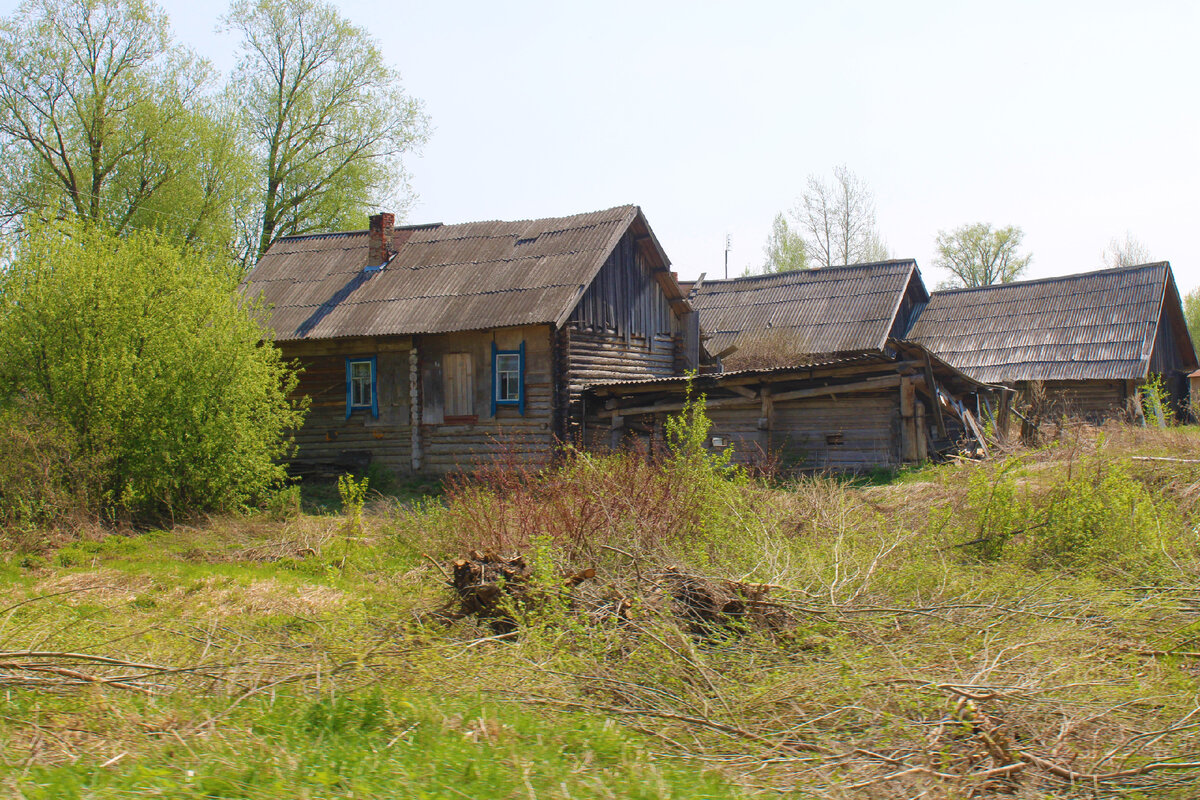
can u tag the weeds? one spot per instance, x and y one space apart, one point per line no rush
1019 628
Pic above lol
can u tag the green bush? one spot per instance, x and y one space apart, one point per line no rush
1100 520
143 359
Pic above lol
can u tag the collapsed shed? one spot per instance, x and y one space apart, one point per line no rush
850 411
1085 343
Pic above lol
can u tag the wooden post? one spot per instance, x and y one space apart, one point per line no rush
922 433
618 429
767 420
931 383
908 429
414 395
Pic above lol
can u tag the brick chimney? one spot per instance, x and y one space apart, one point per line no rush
380 237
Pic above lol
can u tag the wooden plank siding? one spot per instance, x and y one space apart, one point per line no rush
622 329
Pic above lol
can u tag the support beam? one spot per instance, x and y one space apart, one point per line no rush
931 383
871 384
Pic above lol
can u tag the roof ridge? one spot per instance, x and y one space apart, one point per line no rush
809 271
1053 278
429 225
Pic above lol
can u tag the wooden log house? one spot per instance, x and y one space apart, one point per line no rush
430 348
1084 344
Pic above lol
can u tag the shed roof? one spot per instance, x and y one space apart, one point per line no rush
443 278
1097 325
829 310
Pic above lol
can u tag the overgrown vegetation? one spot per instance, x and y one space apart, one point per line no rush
1019 627
133 382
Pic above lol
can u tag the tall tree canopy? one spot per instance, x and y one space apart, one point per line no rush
327 117
977 255
1191 312
103 116
785 249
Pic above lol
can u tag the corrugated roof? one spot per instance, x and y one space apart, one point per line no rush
442 278
828 310
1091 326
895 350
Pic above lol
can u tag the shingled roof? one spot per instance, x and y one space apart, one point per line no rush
442 278
1099 325
827 310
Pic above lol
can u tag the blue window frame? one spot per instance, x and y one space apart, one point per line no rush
508 378
362 386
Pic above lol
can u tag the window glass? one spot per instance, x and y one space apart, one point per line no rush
508 377
360 383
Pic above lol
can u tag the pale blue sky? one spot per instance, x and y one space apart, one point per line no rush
1075 121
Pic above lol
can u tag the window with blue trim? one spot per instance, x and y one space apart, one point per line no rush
362 386
508 378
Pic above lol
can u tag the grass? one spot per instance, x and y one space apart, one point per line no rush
1023 626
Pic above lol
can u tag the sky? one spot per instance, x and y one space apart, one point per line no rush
1079 122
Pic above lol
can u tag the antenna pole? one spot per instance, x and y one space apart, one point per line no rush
728 245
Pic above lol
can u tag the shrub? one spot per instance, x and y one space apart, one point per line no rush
688 498
155 374
1100 520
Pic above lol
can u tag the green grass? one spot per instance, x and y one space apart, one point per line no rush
384 744
306 659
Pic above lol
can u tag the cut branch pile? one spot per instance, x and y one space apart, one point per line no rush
708 605
491 587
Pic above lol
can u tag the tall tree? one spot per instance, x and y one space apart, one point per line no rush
785 250
838 220
328 118
977 255
1127 253
1191 312
103 116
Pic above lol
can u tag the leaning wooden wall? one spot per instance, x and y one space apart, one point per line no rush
331 442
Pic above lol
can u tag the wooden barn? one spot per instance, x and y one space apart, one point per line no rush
843 412
812 373
1083 344
430 347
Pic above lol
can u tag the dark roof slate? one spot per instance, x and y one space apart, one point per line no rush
442 278
1090 326
828 310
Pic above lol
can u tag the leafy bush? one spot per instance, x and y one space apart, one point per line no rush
144 360
1101 520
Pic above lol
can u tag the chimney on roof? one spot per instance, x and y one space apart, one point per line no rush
380 239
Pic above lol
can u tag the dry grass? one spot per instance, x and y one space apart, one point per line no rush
816 638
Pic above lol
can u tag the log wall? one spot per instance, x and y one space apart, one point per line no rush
451 444
329 442
852 432
1095 401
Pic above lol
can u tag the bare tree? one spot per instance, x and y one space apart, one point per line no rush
977 255
327 116
838 219
1128 253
